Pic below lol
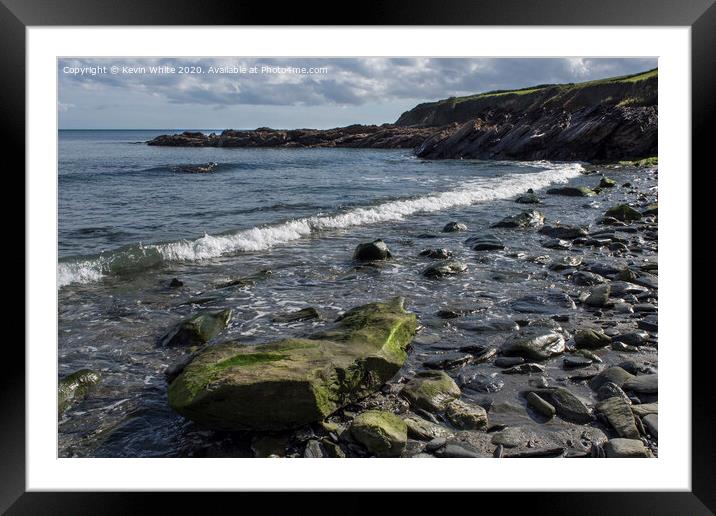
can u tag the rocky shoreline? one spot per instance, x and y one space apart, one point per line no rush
598 121
582 354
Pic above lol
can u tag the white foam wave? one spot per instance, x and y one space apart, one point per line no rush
261 238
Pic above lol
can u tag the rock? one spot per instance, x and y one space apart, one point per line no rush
439 254
620 347
540 405
313 450
611 390
636 367
557 243
563 231
643 384
431 391
455 451
645 409
591 339
196 169
528 198
584 278
598 296
510 437
419 428
176 283
572 191
75 387
649 323
448 361
436 444
484 243
246 281
573 362
299 315
454 313
526 219
651 209
508 361
615 374
626 448
619 415
525 369
481 382
466 416
623 212
196 330
605 182
567 405
295 381
372 251
382 433
550 302
480 353
269 445
651 421
443 269
453 227
494 325
534 344
566 262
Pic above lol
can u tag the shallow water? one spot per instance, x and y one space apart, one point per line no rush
299 214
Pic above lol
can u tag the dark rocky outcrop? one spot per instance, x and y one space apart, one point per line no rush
610 119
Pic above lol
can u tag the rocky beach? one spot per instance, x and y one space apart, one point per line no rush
483 284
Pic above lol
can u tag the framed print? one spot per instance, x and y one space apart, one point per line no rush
430 235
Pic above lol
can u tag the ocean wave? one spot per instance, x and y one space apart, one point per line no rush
140 257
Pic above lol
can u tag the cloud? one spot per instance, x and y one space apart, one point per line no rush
63 107
346 81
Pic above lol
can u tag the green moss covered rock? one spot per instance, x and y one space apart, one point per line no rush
382 433
431 390
293 382
197 330
623 212
74 387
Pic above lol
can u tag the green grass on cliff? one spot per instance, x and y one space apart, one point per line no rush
633 78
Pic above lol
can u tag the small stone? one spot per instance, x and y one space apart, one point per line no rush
611 390
508 361
606 182
572 362
563 231
623 212
453 227
439 253
619 415
510 437
372 251
643 384
615 374
176 283
466 416
626 448
443 269
525 369
313 450
529 218
540 405
568 406
436 444
651 421
485 243
448 361
572 191
598 296
419 428
455 451
382 433
431 391
591 339
534 343
584 278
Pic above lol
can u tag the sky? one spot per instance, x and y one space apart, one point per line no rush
245 93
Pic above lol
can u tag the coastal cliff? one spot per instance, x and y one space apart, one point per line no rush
604 120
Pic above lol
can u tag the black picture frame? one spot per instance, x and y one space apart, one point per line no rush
17 15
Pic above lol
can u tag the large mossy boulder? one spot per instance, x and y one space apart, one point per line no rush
382 433
196 330
74 387
292 382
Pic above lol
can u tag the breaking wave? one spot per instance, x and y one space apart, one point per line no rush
139 257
